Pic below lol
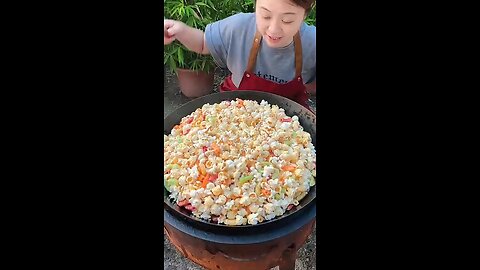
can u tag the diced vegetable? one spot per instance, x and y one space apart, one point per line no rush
239 103
204 149
277 196
212 177
245 179
216 149
183 203
312 181
288 119
172 166
204 180
276 173
189 120
212 119
258 189
289 168
190 207
202 169
169 183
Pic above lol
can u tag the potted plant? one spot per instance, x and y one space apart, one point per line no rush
195 72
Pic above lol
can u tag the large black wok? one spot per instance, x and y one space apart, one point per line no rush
306 118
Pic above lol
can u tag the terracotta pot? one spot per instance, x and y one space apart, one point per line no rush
195 83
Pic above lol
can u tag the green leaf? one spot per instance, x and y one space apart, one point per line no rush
212 5
190 21
180 56
173 65
195 14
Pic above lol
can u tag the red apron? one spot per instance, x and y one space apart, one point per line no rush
294 90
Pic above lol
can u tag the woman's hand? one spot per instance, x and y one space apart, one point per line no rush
190 37
170 29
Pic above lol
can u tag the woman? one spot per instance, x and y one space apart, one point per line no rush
271 50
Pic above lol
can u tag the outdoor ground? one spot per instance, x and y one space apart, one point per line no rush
173 260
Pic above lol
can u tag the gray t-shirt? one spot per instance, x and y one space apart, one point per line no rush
230 40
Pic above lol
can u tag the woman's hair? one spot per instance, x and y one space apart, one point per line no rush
306 4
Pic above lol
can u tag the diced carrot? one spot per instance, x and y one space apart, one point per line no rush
265 192
202 169
289 168
205 182
239 103
227 182
216 149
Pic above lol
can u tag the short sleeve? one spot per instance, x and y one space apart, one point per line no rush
214 38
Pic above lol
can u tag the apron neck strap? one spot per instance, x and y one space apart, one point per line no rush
252 58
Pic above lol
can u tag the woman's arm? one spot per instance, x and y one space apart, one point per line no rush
190 37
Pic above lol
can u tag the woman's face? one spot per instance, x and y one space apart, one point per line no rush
278 21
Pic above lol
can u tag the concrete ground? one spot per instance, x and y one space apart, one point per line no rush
173 260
